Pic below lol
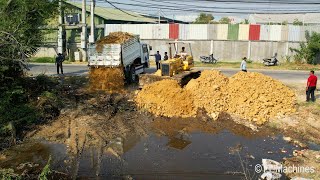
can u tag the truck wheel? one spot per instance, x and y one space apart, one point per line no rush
132 75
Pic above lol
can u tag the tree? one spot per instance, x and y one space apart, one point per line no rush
225 20
204 18
296 22
309 51
246 21
284 23
20 30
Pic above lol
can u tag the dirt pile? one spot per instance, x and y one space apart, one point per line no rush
251 96
208 91
113 38
257 97
108 79
166 98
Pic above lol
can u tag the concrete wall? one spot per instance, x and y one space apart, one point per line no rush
224 50
46 52
231 50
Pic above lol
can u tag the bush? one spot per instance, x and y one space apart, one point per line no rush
310 51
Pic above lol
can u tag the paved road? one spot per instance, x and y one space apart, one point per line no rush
287 76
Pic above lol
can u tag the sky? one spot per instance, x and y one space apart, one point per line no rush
188 10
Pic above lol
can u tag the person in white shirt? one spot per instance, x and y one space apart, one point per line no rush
243 65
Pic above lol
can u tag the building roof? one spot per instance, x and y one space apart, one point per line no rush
308 18
115 14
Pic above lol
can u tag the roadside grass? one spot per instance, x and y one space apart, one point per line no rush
45 60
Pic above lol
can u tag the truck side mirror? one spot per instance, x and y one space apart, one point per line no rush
150 48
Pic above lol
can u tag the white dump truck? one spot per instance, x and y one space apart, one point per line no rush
131 55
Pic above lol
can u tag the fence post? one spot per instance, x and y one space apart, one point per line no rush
211 47
249 50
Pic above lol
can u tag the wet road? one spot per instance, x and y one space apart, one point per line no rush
287 76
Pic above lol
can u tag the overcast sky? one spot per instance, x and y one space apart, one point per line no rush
188 10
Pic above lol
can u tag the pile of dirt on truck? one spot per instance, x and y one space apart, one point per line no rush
251 96
113 38
166 98
107 79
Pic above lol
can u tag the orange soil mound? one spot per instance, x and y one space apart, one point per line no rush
113 38
208 91
257 97
166 98
252 96
109 79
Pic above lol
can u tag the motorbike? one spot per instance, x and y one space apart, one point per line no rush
273 61
208 59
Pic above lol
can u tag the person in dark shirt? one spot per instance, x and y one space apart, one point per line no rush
311 86
165 57
158 59
59 60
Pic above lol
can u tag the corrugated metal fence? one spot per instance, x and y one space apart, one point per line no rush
241 32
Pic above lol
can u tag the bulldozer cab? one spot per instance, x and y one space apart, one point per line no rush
175 48
180 58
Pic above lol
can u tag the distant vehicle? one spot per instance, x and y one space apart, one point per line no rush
273 61
208 59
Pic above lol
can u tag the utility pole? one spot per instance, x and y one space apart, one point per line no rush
92 30
60 32
159 15
84 30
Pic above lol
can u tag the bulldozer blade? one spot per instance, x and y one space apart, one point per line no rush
182 78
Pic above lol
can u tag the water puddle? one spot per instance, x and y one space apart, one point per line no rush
183 152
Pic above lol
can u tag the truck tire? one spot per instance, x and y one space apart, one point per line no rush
132 77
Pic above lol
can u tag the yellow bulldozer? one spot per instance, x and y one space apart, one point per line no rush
178 66
178 61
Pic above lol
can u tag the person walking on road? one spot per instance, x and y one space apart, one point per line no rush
158 59
58 63
165 57
311 86
243 65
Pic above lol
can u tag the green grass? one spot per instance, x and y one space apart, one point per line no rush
46 60
43 60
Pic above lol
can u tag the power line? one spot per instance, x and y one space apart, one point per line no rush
119 8
248 2
242 11
212 7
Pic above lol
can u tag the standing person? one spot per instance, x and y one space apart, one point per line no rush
311 86
158 59
243 65
58 63
165 57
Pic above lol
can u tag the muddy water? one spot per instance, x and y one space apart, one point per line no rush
182 155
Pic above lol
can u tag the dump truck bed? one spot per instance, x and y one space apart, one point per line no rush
114 55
